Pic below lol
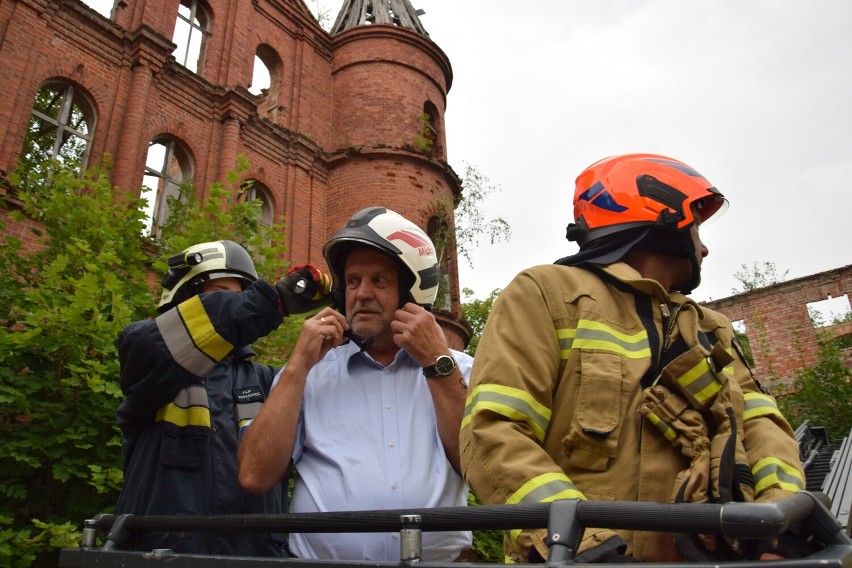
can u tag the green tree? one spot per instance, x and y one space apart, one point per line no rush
63 305
818 319
322 13
61 308
822 393
488 545
225 214
759 275
476 313
471 224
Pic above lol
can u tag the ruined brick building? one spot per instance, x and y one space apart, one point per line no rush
350 118
781 335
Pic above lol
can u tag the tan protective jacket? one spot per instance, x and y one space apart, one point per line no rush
555 395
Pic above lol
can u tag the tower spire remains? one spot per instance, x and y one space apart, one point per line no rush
390 12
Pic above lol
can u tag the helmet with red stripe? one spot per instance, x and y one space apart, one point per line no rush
396 236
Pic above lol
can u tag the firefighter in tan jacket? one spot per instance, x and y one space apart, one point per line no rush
597 378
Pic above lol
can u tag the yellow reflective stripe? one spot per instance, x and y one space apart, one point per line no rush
514 404
545 488
758 404
513 536
700 382
729 368
596 335
192 416
772 472
664 428
204 335
189 408
180 345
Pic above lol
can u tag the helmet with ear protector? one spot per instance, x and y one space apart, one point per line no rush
189 269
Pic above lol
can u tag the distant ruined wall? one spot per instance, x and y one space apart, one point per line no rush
783 340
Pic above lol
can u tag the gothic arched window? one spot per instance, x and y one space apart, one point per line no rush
61 126
167 166
191 32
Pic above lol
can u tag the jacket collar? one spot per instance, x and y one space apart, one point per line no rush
625 273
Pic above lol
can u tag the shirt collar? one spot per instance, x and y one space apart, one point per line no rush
355 356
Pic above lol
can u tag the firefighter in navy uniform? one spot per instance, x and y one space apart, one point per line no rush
190 384
597 378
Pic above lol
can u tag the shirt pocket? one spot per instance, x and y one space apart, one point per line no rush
592 439
183 447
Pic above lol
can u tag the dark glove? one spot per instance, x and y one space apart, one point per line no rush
789 545
306 288
610 551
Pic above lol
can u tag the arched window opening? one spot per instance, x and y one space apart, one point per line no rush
266 81
430 128
439 231
60 128
167 166
253 190
260 78
191 32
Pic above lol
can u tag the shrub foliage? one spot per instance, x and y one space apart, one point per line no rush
61 308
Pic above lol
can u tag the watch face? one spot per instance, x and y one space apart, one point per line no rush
445 365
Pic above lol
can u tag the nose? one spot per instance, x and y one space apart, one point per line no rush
365 290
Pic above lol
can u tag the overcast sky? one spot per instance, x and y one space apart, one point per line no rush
756 95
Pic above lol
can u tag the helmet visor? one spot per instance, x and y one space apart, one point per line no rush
707 207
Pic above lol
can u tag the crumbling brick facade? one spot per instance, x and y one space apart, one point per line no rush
782 337
339 128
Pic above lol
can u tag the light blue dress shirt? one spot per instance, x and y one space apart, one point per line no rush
368 439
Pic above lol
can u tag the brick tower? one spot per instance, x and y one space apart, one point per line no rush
390 93
350 118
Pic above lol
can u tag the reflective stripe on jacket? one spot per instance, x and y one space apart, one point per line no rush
557 383
189 385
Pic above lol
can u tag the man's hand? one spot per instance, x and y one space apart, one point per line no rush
267 446
320 333
416 331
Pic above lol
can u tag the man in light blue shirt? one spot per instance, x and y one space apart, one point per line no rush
372 428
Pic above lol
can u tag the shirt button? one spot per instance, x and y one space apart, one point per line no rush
388 406
395 536
394 485
392 444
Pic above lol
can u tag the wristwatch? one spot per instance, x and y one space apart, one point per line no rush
443 366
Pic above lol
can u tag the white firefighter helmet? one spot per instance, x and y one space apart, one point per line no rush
399 238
